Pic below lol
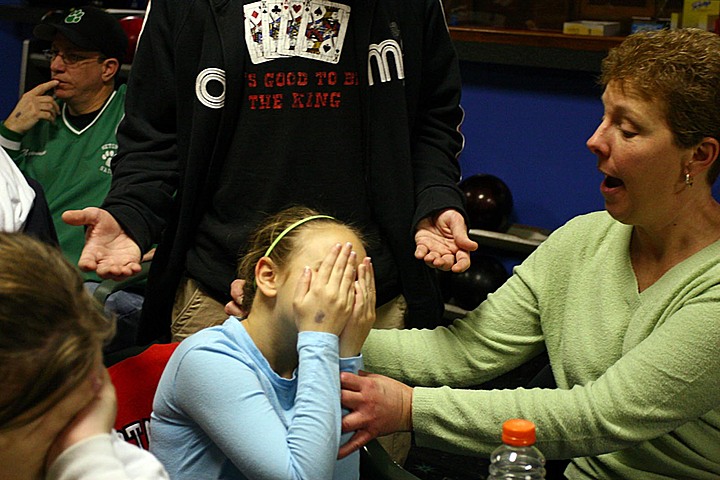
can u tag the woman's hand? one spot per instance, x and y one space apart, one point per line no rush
378 406
363 315
324 303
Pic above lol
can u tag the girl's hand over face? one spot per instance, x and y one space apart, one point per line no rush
324 301
96 418
363 314
25 450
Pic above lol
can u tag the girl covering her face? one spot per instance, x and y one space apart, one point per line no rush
259 397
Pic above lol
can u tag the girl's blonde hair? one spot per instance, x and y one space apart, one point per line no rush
266 233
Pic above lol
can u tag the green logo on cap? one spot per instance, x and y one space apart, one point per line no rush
75 16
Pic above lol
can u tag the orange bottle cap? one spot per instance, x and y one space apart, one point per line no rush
518 432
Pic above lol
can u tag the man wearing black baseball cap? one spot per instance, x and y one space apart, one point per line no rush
88 28
62 133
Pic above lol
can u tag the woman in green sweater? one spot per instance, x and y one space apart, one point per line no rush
625 301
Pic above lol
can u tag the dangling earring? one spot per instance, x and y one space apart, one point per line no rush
688 179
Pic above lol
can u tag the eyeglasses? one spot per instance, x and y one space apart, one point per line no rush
68 58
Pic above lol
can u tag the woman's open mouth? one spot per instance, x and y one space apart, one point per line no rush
612 182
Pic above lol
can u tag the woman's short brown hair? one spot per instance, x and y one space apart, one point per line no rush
680 69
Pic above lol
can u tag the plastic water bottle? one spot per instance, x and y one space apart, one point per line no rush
517 457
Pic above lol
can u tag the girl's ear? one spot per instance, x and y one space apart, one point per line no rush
266 277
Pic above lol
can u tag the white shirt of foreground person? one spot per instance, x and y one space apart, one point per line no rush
106 457
16 195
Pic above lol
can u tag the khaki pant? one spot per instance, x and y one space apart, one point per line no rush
194 310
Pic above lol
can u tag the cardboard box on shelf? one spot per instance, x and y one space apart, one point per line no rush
695 11
458 12
587 27
675 20
645 24
512 14
707 22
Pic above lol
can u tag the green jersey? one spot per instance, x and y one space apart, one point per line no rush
72 165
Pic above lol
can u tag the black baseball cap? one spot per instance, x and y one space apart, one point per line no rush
87 27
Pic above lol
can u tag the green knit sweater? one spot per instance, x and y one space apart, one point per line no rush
638 373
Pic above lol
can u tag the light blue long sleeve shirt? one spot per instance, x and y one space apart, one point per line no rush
220 411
